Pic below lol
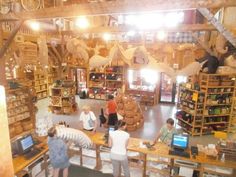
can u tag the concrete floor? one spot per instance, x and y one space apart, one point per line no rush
155 117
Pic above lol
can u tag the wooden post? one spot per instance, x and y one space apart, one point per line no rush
6 165
98 158
2 60
144 164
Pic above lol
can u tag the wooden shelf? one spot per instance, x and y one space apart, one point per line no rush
218 104
107 84
42 91
213 123
219 115
14 111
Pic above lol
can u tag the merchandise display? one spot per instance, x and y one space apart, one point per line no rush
208 110
62 97
21 111
131 112
103 83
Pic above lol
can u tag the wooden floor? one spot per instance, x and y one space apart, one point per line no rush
155 117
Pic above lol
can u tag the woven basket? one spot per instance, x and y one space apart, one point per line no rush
131 127
140 123
129 121
129 114
18 128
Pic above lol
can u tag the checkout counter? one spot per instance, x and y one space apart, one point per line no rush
200 162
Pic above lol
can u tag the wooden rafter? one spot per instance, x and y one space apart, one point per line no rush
203 44
56 52
10 38
179 28
220 27
117 7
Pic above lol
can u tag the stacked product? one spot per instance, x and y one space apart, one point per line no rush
20 110
131 111
62 97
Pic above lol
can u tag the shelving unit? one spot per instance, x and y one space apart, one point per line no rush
106 81
62 99
40 83
232 127
191 105
21 111
219 91
214 111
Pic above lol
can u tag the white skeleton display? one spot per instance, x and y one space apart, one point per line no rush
78 137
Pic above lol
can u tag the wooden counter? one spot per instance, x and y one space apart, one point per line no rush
161 150
19 162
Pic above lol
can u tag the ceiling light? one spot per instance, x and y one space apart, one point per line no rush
161 35
82 22
131 33
106 36
34 25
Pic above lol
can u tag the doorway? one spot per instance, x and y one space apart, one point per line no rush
169 89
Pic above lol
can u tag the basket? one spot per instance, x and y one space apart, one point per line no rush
129 121
12 131
131 127
11 120
129 114
28 126
18 128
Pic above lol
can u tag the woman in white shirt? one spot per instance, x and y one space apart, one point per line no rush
88 119
118 141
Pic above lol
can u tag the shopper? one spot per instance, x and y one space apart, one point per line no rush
166 132
112 111
88 119
57 153
118 141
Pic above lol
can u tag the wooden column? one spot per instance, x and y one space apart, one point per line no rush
2 60
6 166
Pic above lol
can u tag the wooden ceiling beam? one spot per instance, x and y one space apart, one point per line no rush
117 7
179 28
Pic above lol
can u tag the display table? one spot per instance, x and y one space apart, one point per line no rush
20 163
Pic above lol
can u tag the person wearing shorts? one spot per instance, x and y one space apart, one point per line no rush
112 111
118 141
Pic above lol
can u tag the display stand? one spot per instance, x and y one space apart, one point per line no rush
40 83
62 98
214 110
191 105
21 111
105 81
219 91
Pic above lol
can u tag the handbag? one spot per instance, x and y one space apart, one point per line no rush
102 118
90 121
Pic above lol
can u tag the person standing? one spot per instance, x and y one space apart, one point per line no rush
88 119
118 141
112 111
166 132
57 153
